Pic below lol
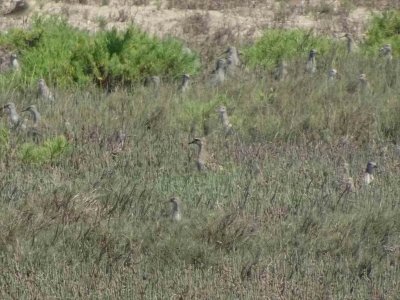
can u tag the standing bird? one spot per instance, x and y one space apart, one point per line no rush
13 117
223 114
332 74
311 66
44 91
152 81
233 54
351 45
34 131
203 160
69 133
281 71
232 60
202 154
185 84
176 214
346 181
368 174
218 75
14 62
386 52
116 142
363 83
35 115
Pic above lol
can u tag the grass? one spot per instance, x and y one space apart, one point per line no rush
80 222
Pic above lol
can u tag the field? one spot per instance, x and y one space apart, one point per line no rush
85 210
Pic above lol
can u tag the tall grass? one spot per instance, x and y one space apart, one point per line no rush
91 224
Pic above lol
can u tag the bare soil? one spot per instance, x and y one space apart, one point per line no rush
216 22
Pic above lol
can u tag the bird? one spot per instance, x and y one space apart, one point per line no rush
202 154
332 74
14 62
368 176
20 8
203 161
35 130
233 54
13 117
218 75
69 132
35 115
363 83
232 61
386 52
281 71
185 84
223 114
346 181
311 66
116 142
176 214
351 45
44 91
152 81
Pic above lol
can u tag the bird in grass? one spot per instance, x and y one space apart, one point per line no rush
35 115
332 74
176 214
44 91
346 181
233 54
281 71
185 83
13 118
69 133
14 62
218 75
35 130
116 142
152 81
311 66
351 45
386 52
232 61
363 83
223 114
368 176
203 161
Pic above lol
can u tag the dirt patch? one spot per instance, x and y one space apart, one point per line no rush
200 25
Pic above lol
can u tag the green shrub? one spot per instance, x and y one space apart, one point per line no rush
67 56
384 29
279 44
50 150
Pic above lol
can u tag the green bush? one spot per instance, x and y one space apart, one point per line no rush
384 29
67 56
51 149
279 44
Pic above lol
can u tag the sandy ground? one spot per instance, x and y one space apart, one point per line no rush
244 23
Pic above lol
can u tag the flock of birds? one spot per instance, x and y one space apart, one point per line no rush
16 123
224 68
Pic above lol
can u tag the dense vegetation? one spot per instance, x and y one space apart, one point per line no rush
79 221
66 56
